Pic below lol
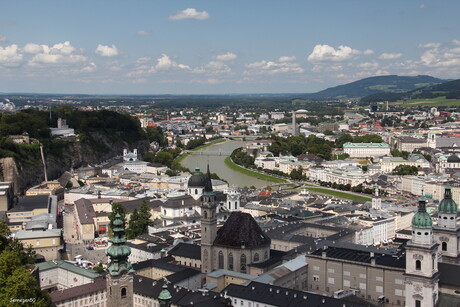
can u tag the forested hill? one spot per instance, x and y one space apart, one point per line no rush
449 90
373 85
101 135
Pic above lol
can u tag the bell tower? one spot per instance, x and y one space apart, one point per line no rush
421 274
119 271
447 231
208 225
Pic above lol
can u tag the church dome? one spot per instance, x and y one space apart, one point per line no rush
448 205
422 219
198 179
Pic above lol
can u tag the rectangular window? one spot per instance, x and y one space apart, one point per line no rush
399 292
418 303
346 273
362 286
361 275
330 270
399 281
346 283
316 277
379 278
379 289
331 280
316 268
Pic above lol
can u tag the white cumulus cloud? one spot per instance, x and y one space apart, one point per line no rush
272 67
390 56
62 53
2 39
229 56
165 63
142 32
456 42
10 56
441 57
286 59
189 13
325 53
429 45
34 48
106 51
369 65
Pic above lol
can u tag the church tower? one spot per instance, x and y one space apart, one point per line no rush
208 225
422 275
447 231
431 141
119 271
233 200
376 201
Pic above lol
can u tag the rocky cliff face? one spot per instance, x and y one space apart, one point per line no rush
74 156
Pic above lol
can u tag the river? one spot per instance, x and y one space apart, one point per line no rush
217 165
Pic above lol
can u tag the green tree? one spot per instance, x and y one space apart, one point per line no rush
164 158
296 174
405 170
116 208
15 279
148 157
139 221
155 134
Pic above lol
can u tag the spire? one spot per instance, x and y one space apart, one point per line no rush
118 251
208 185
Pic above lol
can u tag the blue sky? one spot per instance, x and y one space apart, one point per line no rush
221 47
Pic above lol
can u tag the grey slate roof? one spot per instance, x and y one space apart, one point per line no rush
283 297
241 228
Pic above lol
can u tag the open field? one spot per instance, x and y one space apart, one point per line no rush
434 102
235 167
339 194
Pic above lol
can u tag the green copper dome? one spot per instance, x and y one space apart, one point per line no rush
448 205
422 219
165 295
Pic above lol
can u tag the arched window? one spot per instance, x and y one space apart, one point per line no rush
243 263
418 265
256 257
230 262
196 191
123 292
444 246
205 214
221 260
236 206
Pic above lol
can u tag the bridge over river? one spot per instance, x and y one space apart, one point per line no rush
215 156
221 152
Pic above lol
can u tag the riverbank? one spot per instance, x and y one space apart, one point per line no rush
209 144
228 161
178 160
338 194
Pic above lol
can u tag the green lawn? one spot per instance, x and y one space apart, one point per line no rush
228 161
339 194
434 102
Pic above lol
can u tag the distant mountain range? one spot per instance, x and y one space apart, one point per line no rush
377 85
